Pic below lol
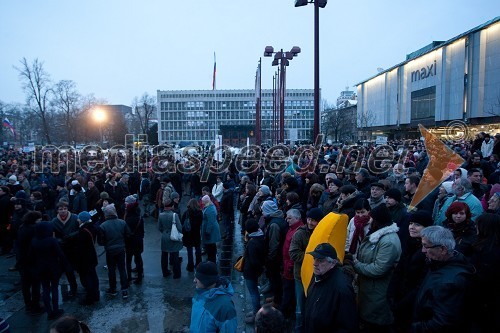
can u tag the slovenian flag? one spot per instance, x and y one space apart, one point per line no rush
8 124
215 70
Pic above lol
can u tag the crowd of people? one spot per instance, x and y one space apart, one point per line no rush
429 268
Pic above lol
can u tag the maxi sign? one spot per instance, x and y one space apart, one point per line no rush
424 72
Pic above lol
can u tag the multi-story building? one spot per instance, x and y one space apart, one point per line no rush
453 81
195 116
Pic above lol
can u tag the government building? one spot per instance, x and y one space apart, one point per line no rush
197 116
449 86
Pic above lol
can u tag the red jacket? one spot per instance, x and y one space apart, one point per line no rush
287 261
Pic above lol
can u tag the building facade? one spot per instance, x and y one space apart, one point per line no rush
196 116
453 81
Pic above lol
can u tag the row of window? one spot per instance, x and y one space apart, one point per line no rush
231 95
164 106
248 116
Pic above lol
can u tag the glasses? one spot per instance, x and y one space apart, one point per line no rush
431 247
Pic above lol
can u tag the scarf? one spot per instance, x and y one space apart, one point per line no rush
359 231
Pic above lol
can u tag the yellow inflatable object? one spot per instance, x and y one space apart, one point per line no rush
331 229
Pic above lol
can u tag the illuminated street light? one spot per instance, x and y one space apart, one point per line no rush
100 117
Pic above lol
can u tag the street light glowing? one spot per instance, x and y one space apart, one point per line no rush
99 116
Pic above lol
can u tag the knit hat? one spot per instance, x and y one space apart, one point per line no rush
74 182
393 193
265 190
84 216
174 195
421 217
13 178
77 187
381 214
130 199
316 214
337 183
104 195
206 198
207 273
21 194
269 207
109 210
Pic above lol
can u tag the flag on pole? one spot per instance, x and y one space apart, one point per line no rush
8 124
215 71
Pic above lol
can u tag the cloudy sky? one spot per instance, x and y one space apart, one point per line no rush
120 49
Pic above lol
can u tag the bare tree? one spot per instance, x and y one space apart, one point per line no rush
365 120
144 109
37 86
494 108
67 102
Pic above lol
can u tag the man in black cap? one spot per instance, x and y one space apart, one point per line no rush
331 301
398 211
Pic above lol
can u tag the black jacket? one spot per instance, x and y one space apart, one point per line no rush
255 254
442 298
331 304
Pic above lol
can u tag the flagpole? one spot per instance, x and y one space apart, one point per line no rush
214 88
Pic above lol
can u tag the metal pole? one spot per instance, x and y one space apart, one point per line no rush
316 70
258 108
282 98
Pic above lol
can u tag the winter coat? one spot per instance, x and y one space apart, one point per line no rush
46 253
255 254
377 256
112 235
165 221
192 238
298 247
288 264
441 299
331 304
87 256
213 310
210 231
136 225
275 231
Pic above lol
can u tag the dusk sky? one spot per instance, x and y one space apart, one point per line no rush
118 49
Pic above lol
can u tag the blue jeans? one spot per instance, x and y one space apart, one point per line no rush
254 294
300 301
115 261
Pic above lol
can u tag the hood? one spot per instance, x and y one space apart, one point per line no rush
374 237
43 230
278 213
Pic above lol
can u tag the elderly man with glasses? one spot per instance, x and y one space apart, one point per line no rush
441 299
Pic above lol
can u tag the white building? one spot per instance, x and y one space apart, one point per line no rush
194 116
455 80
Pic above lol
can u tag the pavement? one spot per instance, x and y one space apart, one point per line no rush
157 305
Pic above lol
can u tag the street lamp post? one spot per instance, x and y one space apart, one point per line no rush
317 5
282 59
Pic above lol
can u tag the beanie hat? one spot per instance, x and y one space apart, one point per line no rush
421 217
337 182
207 273
393 193
77 187
104 195
84 216
382 215
174 195
316 214
265 190
109 210
269 207
74 182
130 199
206 198
13 178
21 194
